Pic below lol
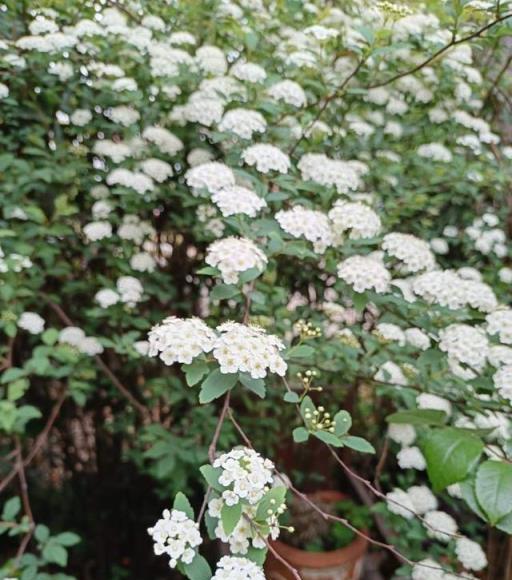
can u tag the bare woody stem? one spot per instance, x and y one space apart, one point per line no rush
26 502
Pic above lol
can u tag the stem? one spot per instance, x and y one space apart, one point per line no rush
213 445
26 503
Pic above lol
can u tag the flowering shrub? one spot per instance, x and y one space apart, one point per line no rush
300 211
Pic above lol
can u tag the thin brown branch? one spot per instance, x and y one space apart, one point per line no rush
278 556
497 80
380 464
26 502
212 449
142 410
442 50
39 442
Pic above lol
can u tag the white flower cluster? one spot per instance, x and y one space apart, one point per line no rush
248 71
470 554
435 151
500 322
357 218
156 169
166 141
487 237
243 122
503 382
411 458
236 199
246 477
76 337
248 349
95 231
440 525
307 223
317 167
466 344
232 256
31 322
128 291
236 568
212 176
176 535
414 254
266 158
180 340
364 273
135 180
289 92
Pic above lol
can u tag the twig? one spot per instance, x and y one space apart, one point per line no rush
143 411
204 504
381 463
439 52
26 503
497 80
278 556
39 443
213 445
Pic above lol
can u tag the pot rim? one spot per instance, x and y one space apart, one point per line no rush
302 558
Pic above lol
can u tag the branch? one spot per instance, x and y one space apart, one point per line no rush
439 52
497 80
213 445
26 503
143 411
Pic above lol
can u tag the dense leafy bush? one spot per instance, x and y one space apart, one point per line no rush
230 225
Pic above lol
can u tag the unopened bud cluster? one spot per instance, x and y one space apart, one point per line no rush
306 330
319 420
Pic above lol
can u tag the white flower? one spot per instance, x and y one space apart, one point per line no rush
212 60
232 256
71 335
238 200
440 525
132 179
123 115
390 332
414 254
236 568
343 175
435 151
130 290
106 297
321 32
500 323
470 554
180 340
31 322
198 156
358 218
142 347
411 458
157 169
266 158
427 569
248 349
212 176
90 346
417 338
430 401
142 262
63 70
176 535
403 434
166 141
399 503
390 372
243 122
505 275
248 71
503 382
134 229
364 273
99 230
80 117
307 223
289 92
466 344
422 499
201 108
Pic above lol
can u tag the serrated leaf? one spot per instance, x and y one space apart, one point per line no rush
223 292
215 385
198 569
300 351
182 504
270 501
493 489
358 444
450 454
230 516
418 417
328 438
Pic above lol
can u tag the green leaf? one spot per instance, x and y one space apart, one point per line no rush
50 336
67 539
182 504
208 271
42 533
198 569
257 555
418 417
249 275
211 475
342 423
505 524
255 385
493 488
306 405
195 372
55 553
11 508
270 501
360 301
215 385
358 444
17 389
300 434
224 291
329 438
467 489
450 454
300 351
291 397
230 516
12 374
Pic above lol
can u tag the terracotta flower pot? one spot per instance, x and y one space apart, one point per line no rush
343 564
